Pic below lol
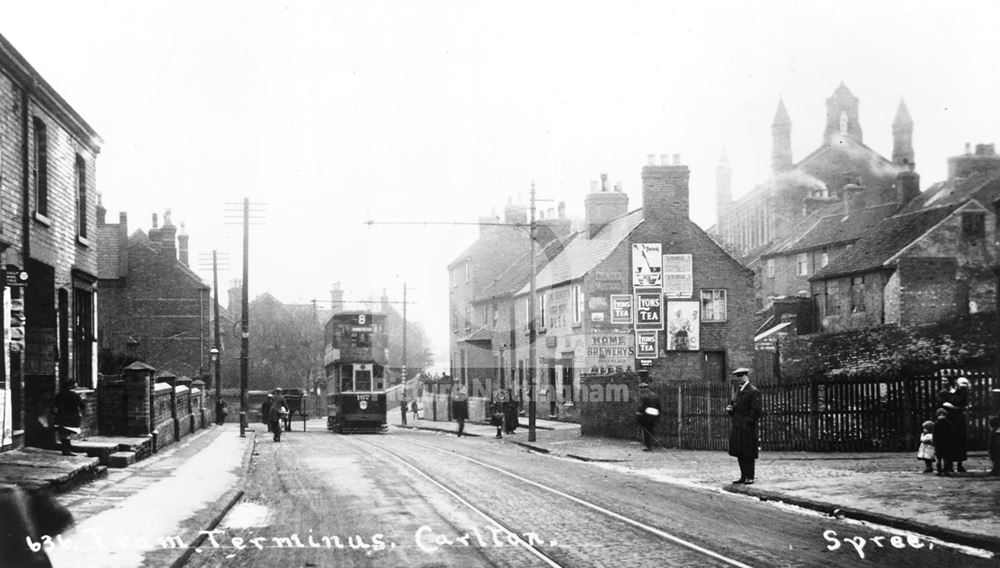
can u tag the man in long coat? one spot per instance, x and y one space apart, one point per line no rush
745 410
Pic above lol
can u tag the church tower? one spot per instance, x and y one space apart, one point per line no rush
781 140
723 190
902 136
842 117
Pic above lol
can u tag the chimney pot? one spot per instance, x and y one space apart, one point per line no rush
968 148
650 159
604 182
677 159
593 186
664 159
154 220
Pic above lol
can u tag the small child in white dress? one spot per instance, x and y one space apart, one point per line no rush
926 450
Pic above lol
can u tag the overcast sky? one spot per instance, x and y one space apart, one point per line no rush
334 113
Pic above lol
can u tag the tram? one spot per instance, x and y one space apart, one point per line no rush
355 356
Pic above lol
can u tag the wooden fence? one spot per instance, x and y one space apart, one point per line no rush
859 415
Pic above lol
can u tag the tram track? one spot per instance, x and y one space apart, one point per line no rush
508 529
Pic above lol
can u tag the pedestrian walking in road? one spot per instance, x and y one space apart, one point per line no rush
944 442
647 415
276 413
68 415
460 407
265 411
404 403
745 410
925 452
995 444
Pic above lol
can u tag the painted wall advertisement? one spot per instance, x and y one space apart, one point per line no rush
557 308
621 309
597 306
648 309
678 276
647 268
682 325
610 350
646 344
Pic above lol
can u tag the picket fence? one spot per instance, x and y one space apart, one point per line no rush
842 416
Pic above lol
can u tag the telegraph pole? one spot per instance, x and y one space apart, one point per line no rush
218 344
532 350
403 380
245 320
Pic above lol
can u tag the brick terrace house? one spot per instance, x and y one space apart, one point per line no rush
471 274
935 259
48 156
155 308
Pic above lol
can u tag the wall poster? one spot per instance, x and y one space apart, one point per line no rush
678 276
683 317
647 267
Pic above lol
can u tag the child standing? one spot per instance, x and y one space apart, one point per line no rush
995 444
926 450
944 443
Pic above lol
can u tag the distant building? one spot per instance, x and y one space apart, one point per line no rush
48 157
841 170
155 308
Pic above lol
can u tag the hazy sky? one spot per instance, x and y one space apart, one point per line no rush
334 113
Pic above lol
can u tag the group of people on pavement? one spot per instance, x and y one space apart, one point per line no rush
945 440
744 410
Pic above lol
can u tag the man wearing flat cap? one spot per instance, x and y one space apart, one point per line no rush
745 410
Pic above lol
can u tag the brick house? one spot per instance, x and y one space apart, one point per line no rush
48 158
499 245
935 259
156 309
687 315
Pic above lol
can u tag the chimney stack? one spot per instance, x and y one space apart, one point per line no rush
907 184
101 211
854 198
984 161
168 236
182 246
601 206
665 192
122 243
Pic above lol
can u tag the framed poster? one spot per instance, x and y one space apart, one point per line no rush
621 308
678 276
683 325
647 265
646 344
648 309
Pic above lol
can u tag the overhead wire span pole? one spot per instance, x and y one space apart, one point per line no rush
245 320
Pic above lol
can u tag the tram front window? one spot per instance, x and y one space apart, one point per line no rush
363 381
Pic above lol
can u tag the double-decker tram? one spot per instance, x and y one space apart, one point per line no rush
355 357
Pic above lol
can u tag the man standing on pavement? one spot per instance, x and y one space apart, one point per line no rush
403 404
745 410
647 415
68 413
277 412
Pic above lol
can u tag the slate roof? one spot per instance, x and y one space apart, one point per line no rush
888 238
829 226
581 255
516 276
490 241
481 334
982 187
